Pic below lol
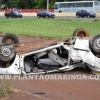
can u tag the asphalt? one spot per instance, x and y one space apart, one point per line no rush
58 16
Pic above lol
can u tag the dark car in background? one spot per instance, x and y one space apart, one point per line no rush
84 13
45 13
13 14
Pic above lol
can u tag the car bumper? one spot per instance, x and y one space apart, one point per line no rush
92 15
52 16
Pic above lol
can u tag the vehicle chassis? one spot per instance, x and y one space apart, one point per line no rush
77 54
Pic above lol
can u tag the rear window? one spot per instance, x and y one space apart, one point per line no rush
81 11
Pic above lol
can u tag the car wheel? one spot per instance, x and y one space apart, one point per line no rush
10 38
77 16
48 16
60 11
7 52
95 43
38 16
81 32
20 16
88 16
7 16
52 16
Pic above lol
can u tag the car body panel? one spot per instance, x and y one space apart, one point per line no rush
14 68
84 13
13 14
45 13
78 52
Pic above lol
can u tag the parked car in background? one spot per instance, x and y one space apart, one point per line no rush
84 13
45 13
13 14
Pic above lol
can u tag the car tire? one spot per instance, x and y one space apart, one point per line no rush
20 16
77 16
7 52
88 16
52 16
7 16
95 43
81 32
60 11
38 16
48 16
10 38
93 16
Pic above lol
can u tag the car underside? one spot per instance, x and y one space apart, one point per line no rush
77 51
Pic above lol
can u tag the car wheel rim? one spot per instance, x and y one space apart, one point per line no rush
88 16
5 51
77 16
97 42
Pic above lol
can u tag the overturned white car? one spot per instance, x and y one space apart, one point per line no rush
62 56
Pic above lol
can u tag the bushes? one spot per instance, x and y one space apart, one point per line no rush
6 88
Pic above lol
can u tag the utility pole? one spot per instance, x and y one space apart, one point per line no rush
47 4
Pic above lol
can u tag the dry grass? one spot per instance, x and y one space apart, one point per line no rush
6 87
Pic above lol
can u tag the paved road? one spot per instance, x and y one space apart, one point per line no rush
63 17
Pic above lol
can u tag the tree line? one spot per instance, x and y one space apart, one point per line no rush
30 4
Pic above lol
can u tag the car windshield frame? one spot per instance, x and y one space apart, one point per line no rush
44 11
15 12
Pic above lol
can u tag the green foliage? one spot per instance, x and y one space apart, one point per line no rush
30 4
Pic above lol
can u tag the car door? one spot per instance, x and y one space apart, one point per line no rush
12 13
40 13
44 14
82 13
85 13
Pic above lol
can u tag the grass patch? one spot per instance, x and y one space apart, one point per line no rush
6 88
43 27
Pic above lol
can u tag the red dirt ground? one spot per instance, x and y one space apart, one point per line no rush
54 89
30 43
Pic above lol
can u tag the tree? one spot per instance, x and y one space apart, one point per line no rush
26 4
31 4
